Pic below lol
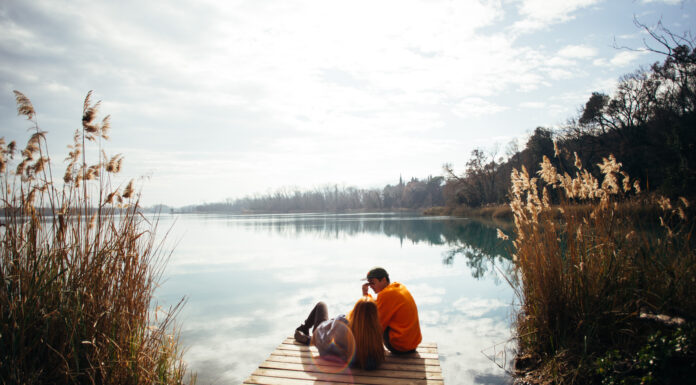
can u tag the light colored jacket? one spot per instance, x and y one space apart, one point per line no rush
334 340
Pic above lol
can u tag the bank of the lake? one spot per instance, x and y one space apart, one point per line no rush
496 212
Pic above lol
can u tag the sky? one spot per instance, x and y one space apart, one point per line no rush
215 100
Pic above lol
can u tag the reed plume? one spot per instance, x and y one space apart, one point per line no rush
79 265
586 269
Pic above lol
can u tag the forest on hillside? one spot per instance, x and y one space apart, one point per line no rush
648 124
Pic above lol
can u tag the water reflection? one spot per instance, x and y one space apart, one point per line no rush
250 280
473 239
480 245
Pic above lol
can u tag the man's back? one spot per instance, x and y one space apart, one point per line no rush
398 311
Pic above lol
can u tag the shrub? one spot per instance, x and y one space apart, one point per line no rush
666 358
78 266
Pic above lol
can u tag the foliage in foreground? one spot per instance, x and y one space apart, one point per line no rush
78 266
591 281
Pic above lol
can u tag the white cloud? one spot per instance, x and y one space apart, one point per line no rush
624 58
604 85
532 105
577 52
477 307
560 73
621 59
670 2
559 61
538 14
476 107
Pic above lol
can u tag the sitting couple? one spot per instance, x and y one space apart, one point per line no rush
391 319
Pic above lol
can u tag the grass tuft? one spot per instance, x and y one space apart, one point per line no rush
78 268
600 272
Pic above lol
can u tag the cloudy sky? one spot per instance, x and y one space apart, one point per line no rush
220 99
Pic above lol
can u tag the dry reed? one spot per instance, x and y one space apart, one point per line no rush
78 266
587 269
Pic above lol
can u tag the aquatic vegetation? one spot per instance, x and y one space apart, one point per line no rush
592 269
78 265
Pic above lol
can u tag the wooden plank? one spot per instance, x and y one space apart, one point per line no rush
388 357
424 348
266 380
343 378
393 365
297 364
263 380
305 348
381 372
291 341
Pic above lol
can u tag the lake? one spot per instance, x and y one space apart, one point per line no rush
250 280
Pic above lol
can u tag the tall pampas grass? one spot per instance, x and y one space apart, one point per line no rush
589 269
78 267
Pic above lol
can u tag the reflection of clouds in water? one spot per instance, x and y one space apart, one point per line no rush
432 318
462 330
249 291
218 323
458 329
460 341
227 347
297 275
254 251
220 360
477 307
339 299
425 294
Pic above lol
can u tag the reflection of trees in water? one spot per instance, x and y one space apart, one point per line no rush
476 241
479 262
480 245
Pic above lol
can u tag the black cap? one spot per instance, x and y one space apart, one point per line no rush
378 273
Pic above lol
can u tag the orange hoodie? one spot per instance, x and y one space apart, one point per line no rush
398 311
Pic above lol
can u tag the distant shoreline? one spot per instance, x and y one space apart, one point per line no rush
501 212
257 212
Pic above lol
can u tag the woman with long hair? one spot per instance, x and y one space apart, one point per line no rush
355 340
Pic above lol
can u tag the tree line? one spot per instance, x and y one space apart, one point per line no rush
413 195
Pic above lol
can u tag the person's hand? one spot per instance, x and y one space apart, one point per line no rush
365 286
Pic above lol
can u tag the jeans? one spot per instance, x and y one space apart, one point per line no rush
392 349
319 314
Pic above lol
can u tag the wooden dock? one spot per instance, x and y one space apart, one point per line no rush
296 364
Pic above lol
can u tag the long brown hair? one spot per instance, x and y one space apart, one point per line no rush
364 323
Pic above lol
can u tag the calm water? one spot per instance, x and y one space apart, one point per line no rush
251 280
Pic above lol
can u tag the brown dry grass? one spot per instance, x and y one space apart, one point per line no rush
586 269
78 266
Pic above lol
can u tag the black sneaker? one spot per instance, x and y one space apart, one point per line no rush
301 337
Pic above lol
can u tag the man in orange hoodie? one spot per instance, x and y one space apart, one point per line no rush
397 312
